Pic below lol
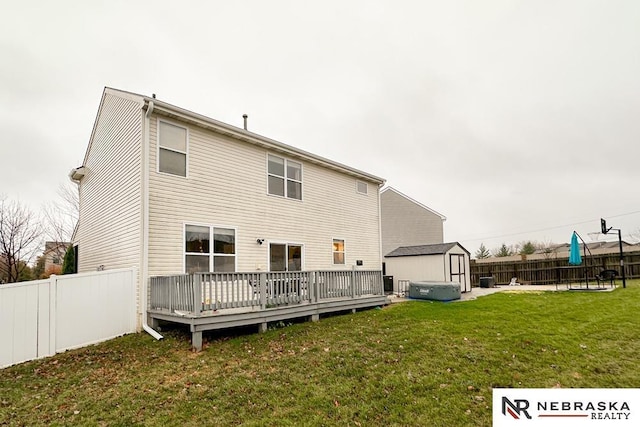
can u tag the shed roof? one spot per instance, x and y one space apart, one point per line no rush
435 249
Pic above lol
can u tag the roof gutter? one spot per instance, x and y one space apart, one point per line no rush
144 273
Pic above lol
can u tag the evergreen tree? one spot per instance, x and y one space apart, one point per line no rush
38 269
528 248
482 252
69 263
503 251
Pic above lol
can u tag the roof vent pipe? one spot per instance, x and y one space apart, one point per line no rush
244 116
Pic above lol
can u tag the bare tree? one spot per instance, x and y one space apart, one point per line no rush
547 248
61 216
20 239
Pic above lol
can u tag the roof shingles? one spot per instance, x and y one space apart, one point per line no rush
436 249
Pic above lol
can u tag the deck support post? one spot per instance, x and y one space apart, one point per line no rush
263 327
152 322
353 311
196 340
315 317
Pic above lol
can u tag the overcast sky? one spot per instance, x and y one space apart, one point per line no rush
517 120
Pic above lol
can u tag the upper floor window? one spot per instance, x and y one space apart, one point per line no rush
338 251
209 249
285 177
362 187
172 149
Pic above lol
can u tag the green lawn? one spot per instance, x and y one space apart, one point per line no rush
415 363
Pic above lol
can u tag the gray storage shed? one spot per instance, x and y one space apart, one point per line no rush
441 262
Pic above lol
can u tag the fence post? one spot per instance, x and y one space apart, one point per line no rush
137 297
53 313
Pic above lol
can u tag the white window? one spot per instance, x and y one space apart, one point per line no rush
285 177
285 257
209 249
362 187
172 149
338 251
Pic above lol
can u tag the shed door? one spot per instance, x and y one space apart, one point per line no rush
456 267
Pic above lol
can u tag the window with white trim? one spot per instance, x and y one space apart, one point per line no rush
285 257
362 187
285 177
209 249
338 251
172 149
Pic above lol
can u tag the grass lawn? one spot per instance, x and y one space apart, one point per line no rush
415 363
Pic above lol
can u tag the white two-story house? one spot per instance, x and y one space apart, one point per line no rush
172 191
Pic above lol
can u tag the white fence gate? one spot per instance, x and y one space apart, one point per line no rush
44 317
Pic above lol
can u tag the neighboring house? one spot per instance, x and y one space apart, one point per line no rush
54 256
407 222
172 192
441 262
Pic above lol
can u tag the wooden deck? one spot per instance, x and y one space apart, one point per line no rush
207 301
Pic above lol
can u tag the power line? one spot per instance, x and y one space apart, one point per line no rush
548 228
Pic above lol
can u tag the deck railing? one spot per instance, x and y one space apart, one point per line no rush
208 292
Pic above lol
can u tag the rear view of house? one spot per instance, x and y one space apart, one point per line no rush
174 192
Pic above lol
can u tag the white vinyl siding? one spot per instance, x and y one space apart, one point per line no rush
110 226
226 185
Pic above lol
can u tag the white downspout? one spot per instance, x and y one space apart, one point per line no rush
144 272
381 255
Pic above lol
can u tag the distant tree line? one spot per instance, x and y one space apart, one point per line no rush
523 248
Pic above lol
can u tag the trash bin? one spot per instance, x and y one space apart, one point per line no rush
487 282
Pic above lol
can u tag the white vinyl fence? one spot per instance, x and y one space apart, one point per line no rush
43 317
